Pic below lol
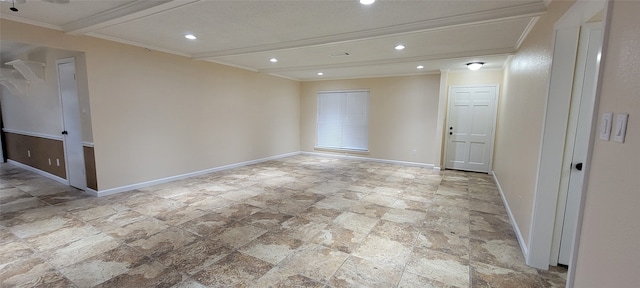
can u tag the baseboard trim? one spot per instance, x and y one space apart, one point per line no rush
106 192
431 166
523 247
38 171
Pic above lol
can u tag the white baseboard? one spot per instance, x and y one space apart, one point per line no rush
125 188
38 171
431 166
525 249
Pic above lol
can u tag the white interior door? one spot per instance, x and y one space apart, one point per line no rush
470 126
578 134
72 133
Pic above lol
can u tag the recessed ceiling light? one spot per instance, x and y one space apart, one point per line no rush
273 60
475 65
190 37
320 73
367 2
400 47
420 67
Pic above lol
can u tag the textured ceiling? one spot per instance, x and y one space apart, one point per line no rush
302 35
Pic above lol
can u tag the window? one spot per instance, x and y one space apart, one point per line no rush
343 120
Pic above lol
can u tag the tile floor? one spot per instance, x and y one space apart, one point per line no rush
302 221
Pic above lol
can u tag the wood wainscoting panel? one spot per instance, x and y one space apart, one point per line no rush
41 153
90 167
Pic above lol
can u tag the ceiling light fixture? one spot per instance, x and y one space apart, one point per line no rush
399 47
320 73
420 67
473 66
190 37
273 60
367 2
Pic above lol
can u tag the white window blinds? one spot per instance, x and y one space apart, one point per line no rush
343 120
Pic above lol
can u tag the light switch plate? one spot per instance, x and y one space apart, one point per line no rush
605 126
621 127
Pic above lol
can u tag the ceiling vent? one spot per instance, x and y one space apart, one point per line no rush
30 70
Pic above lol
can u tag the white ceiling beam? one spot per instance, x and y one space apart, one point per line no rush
427 58
122 14
524 10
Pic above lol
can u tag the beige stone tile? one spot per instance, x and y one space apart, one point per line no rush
61 237
151 274
192 258
158 206
236 269
502 253
355 222
335 202
283 278
14 250
485 275
266 219
339 238
80 250
271 247
66 196
358 272
105 210
12 194
369 209
405 216
180 215
42 226
164 241
320 214
104 266
448 269
384 251
31 271
401 232
447 225
129 230
444 242
21 204
410 280
325 261
189 283
301 228
237 234
380 199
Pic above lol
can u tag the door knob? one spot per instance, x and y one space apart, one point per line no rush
64 132
450 133
579 166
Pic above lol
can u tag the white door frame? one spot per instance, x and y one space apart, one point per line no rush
83 180
493 122
578 127
567 31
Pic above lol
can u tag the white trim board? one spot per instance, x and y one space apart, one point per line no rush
431 166
523 246
125 188
32 134
38 171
